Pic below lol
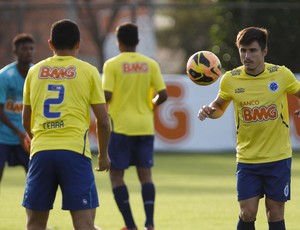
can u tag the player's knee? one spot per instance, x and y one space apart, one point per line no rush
248 215
275 211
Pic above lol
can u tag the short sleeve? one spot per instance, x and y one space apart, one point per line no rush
293 85
108 81
158 81
26 89
3 88
225 87
97 93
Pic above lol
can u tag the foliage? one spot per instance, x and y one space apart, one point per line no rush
213 26
282 19
189 28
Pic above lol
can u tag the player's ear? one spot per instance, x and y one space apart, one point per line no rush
265 51
50 44
77 46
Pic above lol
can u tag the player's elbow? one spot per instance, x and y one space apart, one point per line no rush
163 96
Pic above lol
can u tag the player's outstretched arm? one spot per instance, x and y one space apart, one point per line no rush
214 110
103 134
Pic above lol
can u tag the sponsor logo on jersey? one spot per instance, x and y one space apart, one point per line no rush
137 67
249 103
47 72
258 114
239 90
236 72
273 68
13 106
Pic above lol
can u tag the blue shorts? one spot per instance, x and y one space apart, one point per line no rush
71 171
125 151
271 179
14 155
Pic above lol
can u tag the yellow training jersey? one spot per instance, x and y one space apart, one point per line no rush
60 90
132 78
261 112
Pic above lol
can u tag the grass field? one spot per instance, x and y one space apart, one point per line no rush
194 192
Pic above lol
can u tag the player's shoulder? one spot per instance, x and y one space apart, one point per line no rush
280 70
131 56
53 61
271 68
8 69
84 64
238 71
146 58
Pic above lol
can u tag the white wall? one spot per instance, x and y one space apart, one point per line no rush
208 135
180 129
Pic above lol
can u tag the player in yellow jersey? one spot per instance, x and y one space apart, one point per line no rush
259 93
58 94
130 80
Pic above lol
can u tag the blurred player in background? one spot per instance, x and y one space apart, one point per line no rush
58 94
130 80
14 141
264 154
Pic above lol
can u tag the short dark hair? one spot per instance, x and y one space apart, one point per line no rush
127 34
251 34
65 34
21 39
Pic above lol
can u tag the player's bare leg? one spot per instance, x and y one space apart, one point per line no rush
1 172
248 212
83 219
36 219
275 214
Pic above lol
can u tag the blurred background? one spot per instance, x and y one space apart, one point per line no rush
170 31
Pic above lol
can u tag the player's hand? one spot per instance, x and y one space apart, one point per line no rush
24 140
103 163
26 143
205 112
297 112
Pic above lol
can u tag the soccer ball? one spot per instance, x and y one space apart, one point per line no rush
203 68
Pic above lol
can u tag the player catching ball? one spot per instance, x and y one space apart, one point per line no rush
264 154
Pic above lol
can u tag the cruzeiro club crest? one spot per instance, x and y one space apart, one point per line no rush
273 86
286 190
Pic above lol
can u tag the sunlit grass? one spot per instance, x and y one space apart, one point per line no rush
194 191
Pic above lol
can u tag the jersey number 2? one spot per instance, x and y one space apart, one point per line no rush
54 101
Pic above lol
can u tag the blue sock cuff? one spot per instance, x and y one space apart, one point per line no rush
279 225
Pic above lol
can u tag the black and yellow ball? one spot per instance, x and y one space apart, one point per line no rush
204 68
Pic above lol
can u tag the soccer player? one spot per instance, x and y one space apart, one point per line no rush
12 77
259 92
58 94
129 81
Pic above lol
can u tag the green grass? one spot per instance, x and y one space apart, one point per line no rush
194 191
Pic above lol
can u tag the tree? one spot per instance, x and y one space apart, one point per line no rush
188 31
88 16
281 18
